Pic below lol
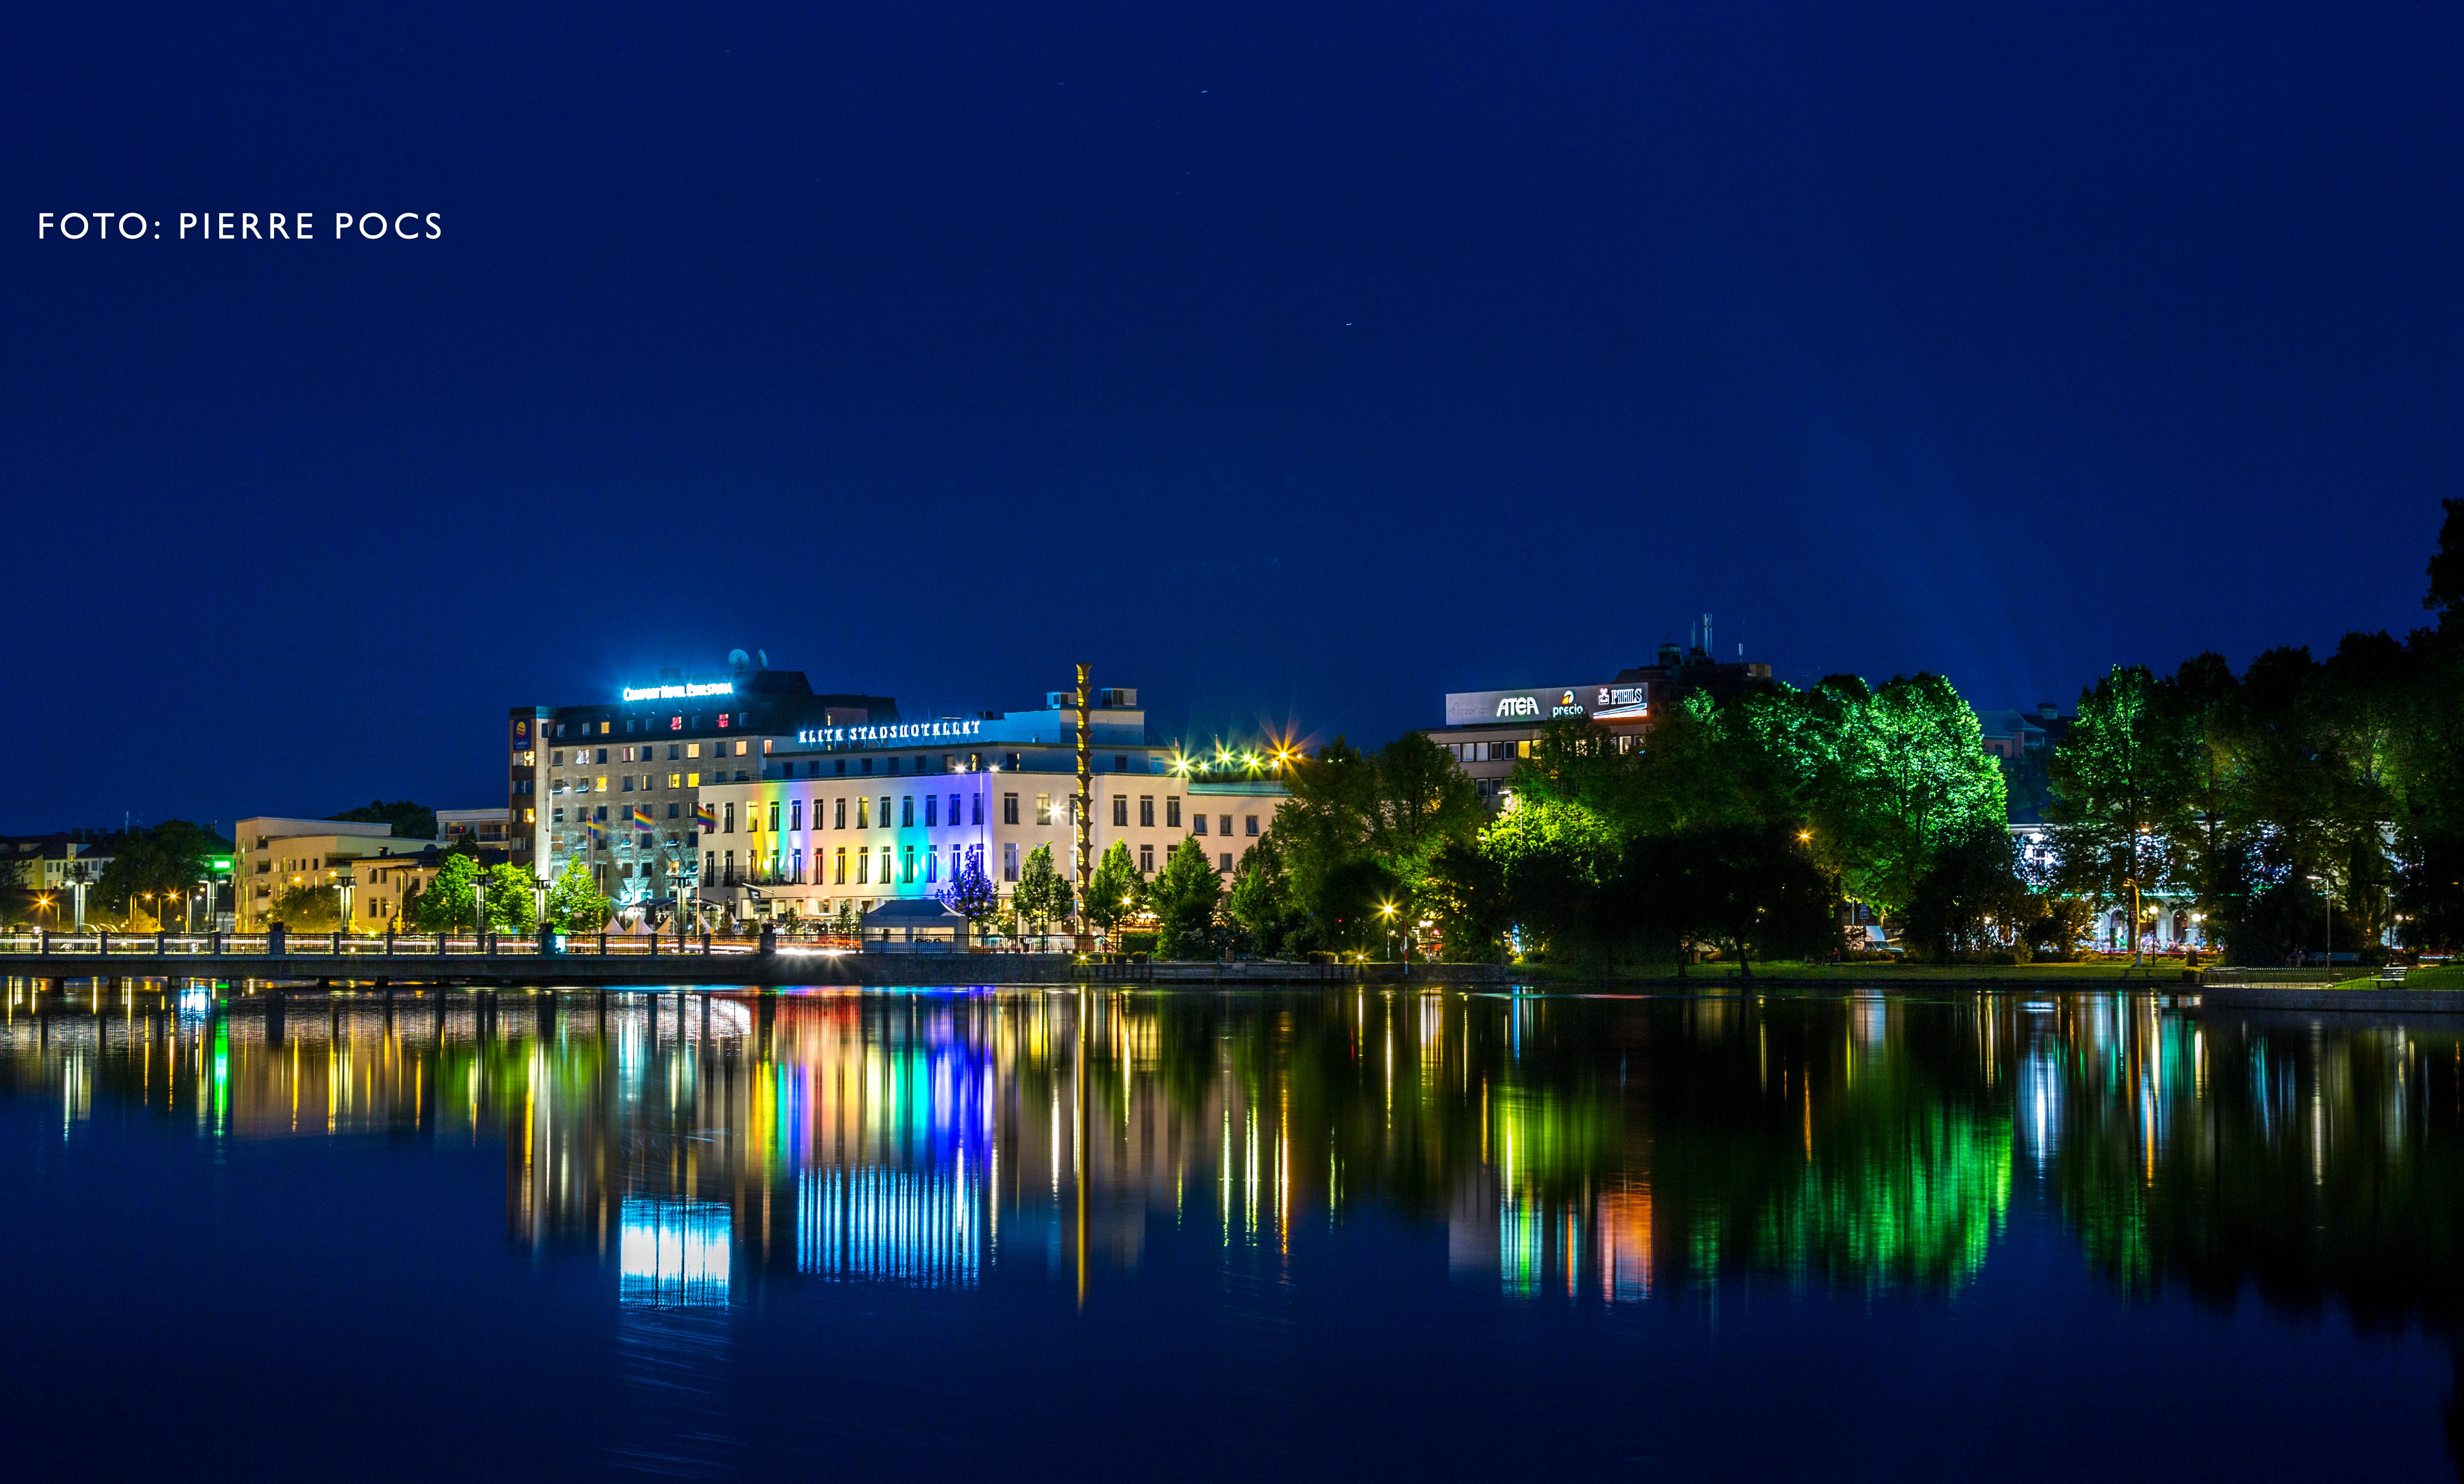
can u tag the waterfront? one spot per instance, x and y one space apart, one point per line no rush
1339 1232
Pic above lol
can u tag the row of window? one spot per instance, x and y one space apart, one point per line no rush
676 723
584 757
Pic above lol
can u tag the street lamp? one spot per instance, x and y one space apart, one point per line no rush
1386 910
2327 888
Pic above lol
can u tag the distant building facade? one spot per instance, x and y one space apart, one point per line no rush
1490 731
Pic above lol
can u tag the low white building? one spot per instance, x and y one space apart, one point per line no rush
862 815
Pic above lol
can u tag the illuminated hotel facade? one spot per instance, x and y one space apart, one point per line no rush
750 794
875 812
614 783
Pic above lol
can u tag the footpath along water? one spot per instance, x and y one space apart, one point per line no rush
1347 1232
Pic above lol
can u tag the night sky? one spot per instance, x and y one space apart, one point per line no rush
1286 361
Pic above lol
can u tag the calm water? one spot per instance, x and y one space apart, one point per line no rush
1240 1237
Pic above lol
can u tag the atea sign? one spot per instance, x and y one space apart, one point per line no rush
1600 702
680 692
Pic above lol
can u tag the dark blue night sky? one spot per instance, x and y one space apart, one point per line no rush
1294 362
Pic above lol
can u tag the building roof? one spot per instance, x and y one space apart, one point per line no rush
912 912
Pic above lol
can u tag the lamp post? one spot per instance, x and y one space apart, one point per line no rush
1386 910
344 881
2327 890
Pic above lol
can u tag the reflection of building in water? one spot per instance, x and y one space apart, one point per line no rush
673 1254
921 1228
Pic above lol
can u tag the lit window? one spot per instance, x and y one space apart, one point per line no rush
863 812
692 749
693 780
1043 808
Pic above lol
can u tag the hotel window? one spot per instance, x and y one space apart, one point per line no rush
954 810
863 812
838 815
1227 831
626 784
868 765
730 821
841 868
907 865
1223 863
676 780
907 812
1248 824
1172 813
602 754
773 816
1043 808
884 812
600 785
1120 763
1121 810
932 815
800 868
1146 861
556 816
932 865
692 749
1009 859
710 865
1009 808
893 765
555 760
671 752
603 731
796 817
1146 811
885 865
693 780
671 809
1197 824
862 866
602 811
842 769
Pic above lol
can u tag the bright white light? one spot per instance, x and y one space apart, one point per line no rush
673 1254
679 692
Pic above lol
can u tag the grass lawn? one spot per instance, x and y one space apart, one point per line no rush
2050 975
2446 976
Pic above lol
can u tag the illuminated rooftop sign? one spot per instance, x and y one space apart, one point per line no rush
894 731
1600 702
680 692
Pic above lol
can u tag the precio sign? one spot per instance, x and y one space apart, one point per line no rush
1600 702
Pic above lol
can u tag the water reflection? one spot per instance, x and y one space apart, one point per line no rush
1610 1153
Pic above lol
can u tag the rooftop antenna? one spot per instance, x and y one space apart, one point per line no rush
1706 635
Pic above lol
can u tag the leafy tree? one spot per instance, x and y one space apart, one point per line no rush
1424 802
166 857
1970 897
1882 777
512 893
1113 889
308 909
1329 818
1185 895
969 893
575 904
1260 902
1748 890
411 821
2445 570
2120 784
1552 857
449 902
1043 895
2053 925
1465 896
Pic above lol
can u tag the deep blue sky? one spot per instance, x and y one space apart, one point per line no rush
1347 354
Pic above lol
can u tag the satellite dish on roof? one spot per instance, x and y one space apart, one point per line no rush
737 659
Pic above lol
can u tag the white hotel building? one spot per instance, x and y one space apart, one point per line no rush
873 812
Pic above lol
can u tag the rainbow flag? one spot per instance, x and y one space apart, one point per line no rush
641 816
705 817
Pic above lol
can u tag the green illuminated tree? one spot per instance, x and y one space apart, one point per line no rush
512 899
1043 895
308 909
166 857
1185 895
448 903
1113 888
1260 902
575 904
